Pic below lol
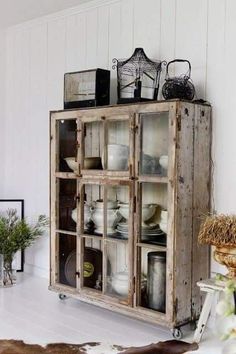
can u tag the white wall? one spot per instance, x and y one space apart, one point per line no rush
39 52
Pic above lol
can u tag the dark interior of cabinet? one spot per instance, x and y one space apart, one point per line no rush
92 268
67 202
67 142
67 260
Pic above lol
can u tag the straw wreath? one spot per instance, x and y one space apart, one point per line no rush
218 230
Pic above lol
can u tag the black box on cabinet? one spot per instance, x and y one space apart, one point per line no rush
88 88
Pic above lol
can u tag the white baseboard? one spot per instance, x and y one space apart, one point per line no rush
36 271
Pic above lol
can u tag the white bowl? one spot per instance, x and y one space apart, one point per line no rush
148 210
163 161
98 218
117 157
124 210
120 283
164 215
163 226
99 204
72 163
87 214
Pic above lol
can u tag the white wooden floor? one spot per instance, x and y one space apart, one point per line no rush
30 312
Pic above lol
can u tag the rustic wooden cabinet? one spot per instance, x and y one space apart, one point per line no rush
129 184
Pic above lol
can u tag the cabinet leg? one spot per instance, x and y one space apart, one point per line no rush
203 317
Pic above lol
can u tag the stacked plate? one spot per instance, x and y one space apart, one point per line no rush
123 230
151 233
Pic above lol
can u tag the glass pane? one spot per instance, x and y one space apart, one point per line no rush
118 146
154 144
92 264
152 279
117 277
67 260
93 215
93 145
67 204
80 86
118 206
67 130
153 211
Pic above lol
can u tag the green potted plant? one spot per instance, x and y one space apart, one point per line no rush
15 235
226 310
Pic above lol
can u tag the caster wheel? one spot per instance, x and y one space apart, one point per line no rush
177 333
62 296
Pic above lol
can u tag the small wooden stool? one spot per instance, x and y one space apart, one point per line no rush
212 288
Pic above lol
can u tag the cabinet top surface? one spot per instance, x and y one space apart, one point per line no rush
136 104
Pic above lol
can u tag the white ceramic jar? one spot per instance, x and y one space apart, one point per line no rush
120 283
117 157
97 215
163 161
87 214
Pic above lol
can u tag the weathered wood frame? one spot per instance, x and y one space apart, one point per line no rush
188 183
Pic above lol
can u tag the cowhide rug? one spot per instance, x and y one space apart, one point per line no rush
168 347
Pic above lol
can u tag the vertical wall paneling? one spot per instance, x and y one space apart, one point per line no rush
38 53
2 105
167 40
191 30
75 53
102 60
147 26
114 43
127 27
217 96
226 158
91 38
55 63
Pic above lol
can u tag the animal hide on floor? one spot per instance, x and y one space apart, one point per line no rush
168 347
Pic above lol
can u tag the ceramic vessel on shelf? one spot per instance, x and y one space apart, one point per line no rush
148 210
92 163
120 283
87 214
117 157
97 216
99 204
72 163
124 210
150 164
164 219
163 161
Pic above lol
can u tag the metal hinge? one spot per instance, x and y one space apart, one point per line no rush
178 119
134 283
135 202
176 306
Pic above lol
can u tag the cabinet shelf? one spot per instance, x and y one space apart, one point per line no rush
152 246
157 157
65 232
66 175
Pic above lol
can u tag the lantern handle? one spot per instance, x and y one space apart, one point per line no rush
188 73
115 62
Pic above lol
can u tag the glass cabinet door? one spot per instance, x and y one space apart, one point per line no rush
151 248
118 241
107 145
107 234
66 146
66 204
67 272
153 142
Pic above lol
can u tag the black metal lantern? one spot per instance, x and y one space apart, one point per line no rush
137 78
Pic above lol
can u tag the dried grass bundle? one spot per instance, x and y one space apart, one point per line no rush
218 230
